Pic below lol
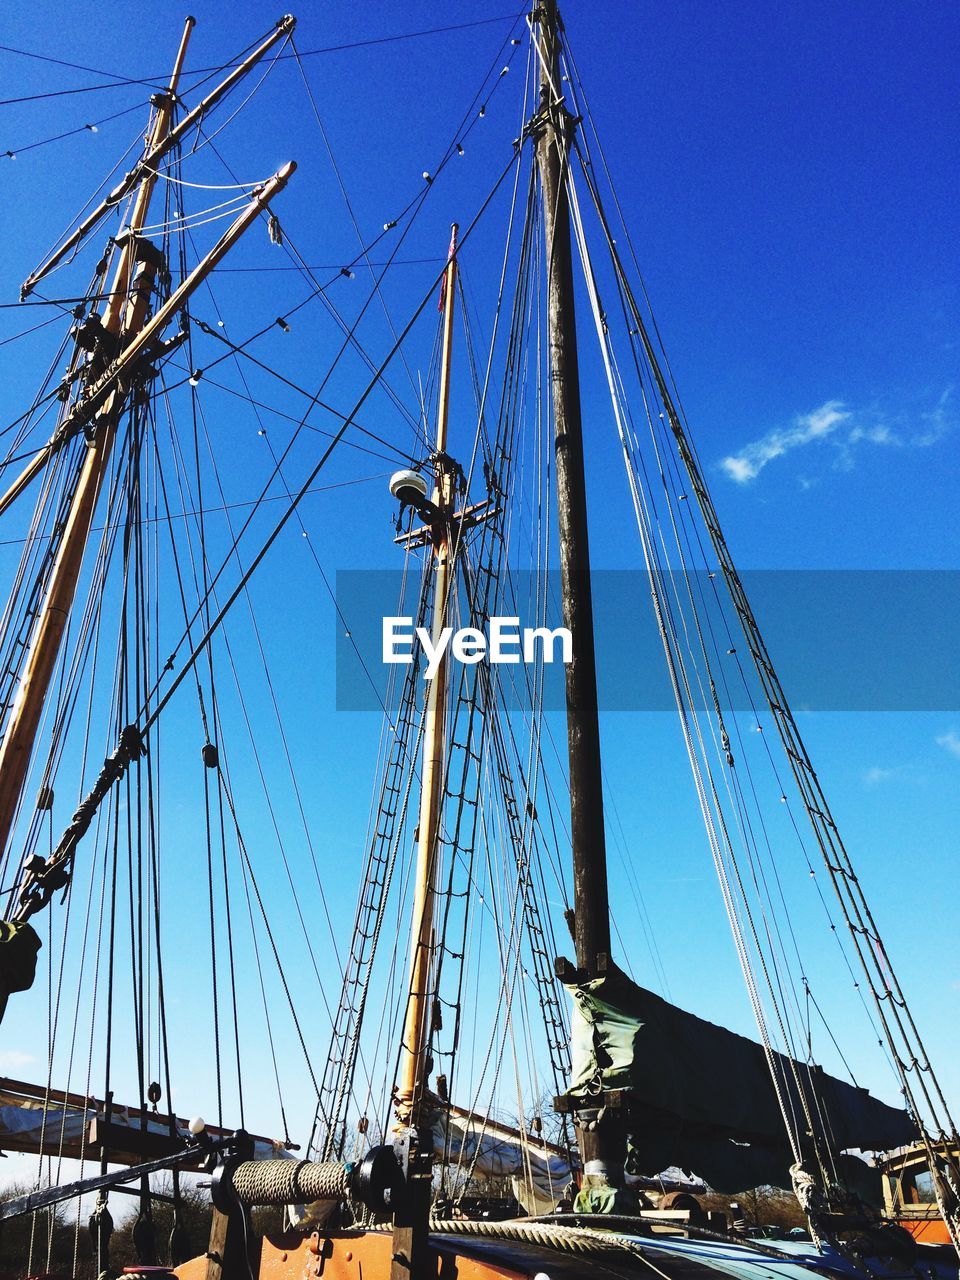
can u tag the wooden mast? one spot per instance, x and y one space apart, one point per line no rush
410 1225
124 316
591 907
592 923
159 145
125 321
412 1074
145 168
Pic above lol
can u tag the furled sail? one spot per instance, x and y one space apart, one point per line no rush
539 1172
702 1096
52 1122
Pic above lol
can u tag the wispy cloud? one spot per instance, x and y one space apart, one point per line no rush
873 435
14 1059
845 430
950 741
874 776
747 464
938 421
908 773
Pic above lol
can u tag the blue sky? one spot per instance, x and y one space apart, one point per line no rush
789 176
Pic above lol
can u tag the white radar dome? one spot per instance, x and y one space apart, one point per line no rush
409 487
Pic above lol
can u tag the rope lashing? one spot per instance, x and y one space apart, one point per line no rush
374 1181
42 878
259 1182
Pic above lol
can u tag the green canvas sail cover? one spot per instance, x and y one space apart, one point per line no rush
703 1096
19 944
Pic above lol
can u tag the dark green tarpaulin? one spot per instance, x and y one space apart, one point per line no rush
704 1095
730 1166
19 944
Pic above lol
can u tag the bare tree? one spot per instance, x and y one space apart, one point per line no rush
43 1241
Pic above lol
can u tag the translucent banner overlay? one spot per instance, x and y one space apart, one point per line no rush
841 640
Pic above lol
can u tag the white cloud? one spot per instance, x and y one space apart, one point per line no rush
937 422
950 741
14 1059
873 435
877 774
845 430
747 464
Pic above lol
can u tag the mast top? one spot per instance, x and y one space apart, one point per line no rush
154 153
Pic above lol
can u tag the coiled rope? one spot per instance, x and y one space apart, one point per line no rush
258 1182
580 1241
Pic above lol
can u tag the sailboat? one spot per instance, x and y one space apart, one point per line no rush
380 1183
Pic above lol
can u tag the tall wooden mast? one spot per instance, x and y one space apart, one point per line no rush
591 907
125 314
412 1076
410 1222
592 922
127 332
160 145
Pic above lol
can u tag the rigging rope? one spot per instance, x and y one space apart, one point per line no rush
160 82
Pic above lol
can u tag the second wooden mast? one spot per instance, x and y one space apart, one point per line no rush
411 1216
412 1079
127 332
124 317
601 1145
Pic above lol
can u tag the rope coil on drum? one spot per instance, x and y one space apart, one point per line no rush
374 1181
260 1182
